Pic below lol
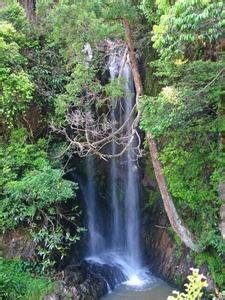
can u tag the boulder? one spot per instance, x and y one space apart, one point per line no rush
111 273
88 280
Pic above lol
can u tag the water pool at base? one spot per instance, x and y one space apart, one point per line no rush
141 284
157 290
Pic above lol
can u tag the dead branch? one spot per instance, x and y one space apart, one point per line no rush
87 134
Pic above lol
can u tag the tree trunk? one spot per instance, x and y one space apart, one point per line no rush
30 8
169 206
133 60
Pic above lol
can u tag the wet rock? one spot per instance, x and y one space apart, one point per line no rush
75 274
222 229
83 283
92 288
87 281
57 296
111 273
161 252
149 183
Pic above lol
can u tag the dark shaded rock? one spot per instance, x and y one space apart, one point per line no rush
18 244
75 274
87 281
149 183
84 284
161 252
61 292
111 273
92 288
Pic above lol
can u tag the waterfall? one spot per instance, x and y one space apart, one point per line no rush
116 209
125 236
123 246
132 182
95 239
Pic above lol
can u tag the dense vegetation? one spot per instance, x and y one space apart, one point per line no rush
16 282
44 75
33 188
184 116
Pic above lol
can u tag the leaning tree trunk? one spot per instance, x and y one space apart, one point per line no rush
169 206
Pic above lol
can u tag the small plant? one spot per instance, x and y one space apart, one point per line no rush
193 290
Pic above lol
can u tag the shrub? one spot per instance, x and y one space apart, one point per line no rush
15 283
193 290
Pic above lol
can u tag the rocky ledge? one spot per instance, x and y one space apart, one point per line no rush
87 281
164 257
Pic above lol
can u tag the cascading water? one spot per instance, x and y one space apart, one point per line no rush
132 190
129 239
116 215
95 240
124 249
114 252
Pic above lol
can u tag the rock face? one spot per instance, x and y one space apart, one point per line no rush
87 281
222 224
18 244
165 258
222 209
111 273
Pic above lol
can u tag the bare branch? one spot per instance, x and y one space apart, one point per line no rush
89 134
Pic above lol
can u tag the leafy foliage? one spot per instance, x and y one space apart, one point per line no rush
76 25
215 265
16 87
188 25
193 290
186 125
183 116
32 193
15 14
33 190
46 73
16 283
